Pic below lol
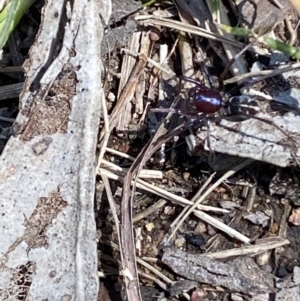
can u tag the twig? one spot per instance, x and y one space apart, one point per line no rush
194 199
148 19
283 223
115 152
224 228
154 279
150 61
237 63
153 208
251 250
208 191
145 173
162 193
183 202
154 270
261 74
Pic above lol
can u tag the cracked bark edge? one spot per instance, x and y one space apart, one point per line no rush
59 259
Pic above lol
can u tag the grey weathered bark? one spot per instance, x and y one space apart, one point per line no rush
47 170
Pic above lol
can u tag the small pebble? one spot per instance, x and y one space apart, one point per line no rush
180 242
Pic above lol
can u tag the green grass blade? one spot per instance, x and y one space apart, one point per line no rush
10 16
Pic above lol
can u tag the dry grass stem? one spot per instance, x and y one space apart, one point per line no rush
152 278
151 19
154 270
150 259
194 199
153 208
181 201
141 262
251 199
150 61
155 20
162 192
238 67
145 173
186 55
292 31
123 155
224 228
261 75
209 190
247 250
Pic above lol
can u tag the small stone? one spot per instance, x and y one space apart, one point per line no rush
180 242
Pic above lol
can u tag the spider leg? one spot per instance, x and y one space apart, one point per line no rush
194 81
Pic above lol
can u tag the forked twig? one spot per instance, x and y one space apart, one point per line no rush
194 199
184 202
208 191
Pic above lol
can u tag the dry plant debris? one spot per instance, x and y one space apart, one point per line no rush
188 206
156 132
